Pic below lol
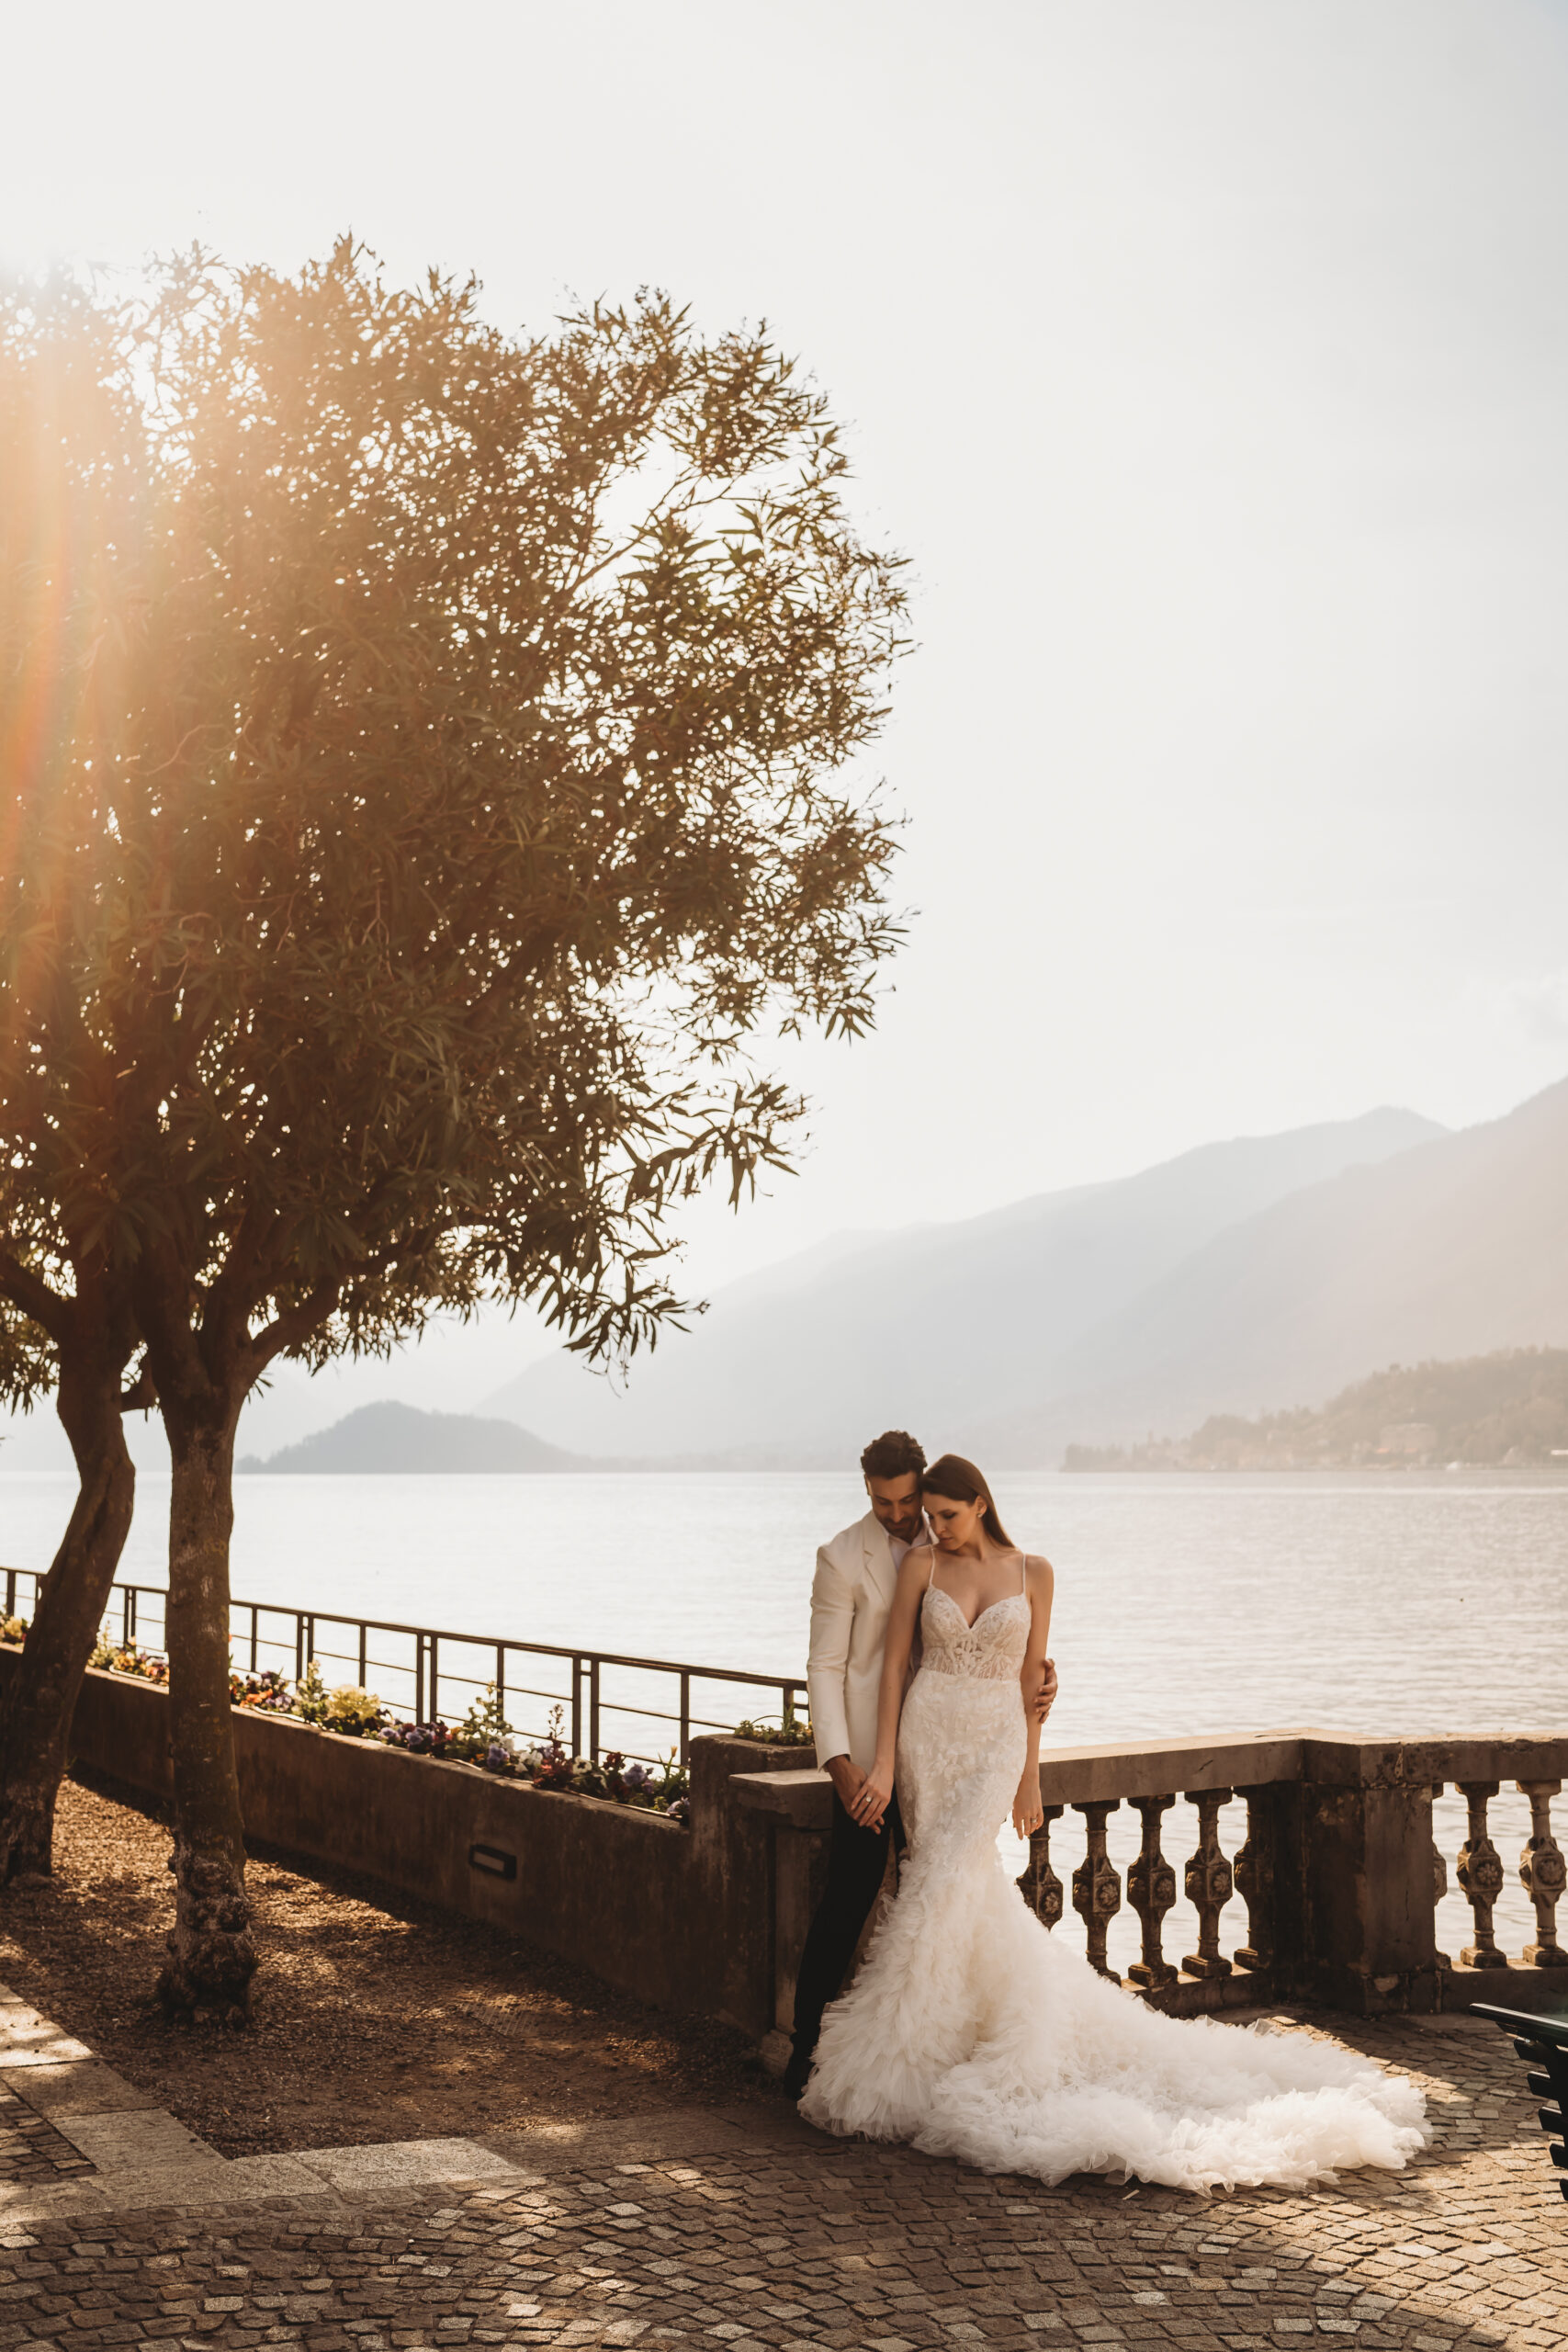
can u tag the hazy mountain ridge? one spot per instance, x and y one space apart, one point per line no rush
1509 1408
942 1328
1455 1248
386 1439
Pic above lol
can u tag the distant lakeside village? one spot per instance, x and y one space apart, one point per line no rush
1507 1411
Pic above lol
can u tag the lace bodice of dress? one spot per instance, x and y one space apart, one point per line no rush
991 1650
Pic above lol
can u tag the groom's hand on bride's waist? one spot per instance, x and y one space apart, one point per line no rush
1045 1697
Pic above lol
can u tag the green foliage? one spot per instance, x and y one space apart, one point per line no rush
29 1366
483 1727
792 1732
312 1697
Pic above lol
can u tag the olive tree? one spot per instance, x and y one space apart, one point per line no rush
471 744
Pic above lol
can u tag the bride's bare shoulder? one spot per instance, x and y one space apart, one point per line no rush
1040 1575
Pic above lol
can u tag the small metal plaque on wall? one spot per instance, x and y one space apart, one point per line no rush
493 1860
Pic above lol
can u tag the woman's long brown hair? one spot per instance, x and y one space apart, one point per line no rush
958 1481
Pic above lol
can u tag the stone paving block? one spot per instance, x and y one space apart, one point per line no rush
73 2087
274 2176
135 2140
366 2169
28 2040
195 2186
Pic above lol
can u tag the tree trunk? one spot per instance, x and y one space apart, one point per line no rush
40 1698
212 1953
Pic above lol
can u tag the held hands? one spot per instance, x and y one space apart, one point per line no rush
856 1795
873 1797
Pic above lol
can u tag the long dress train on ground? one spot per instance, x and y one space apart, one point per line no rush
970 2032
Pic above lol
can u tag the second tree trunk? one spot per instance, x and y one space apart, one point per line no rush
212 1952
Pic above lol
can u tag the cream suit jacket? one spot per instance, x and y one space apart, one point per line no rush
850 1596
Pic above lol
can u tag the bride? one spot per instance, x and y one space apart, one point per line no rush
973 2032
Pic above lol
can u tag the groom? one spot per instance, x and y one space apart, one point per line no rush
850 1596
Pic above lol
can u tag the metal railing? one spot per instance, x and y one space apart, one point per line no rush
603 1697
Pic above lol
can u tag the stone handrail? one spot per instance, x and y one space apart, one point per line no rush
1338 1870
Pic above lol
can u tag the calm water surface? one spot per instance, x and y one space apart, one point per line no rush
1380 1603
1185 1603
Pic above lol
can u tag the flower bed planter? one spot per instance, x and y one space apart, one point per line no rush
677 1914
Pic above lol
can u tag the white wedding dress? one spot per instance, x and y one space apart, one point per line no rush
972 2031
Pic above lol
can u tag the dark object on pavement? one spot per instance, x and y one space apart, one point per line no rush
1542 2043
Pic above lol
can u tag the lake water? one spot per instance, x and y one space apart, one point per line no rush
1382 1603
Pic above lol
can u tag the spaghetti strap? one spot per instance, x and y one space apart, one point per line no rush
930 1572
1023 1572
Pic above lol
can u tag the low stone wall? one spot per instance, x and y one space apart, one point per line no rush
682 1917
1338 1873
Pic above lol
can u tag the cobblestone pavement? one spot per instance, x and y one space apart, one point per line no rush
30 2147
745 2228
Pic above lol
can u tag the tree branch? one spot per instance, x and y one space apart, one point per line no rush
34 1298
297 1323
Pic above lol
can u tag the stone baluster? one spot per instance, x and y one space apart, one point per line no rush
1544 1874
1097 1889
1255 1878
1481 1875
1039 1885
1209 1884
1151 1890
1440 1875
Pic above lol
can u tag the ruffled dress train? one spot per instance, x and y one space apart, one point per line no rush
970 2032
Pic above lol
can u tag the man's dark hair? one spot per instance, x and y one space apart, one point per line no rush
894 1455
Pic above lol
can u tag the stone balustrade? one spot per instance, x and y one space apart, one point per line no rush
1328 1895
1338 1868
1481 1873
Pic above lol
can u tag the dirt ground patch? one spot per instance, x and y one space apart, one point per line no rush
375 2017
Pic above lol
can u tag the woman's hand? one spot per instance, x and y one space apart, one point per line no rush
1028 1807
873 1797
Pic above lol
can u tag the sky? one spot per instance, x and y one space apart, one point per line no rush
1207 361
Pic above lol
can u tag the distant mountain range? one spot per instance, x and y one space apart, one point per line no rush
972 1334
388 1438
1457 1248
1242 1278
1247 1278
1509 1409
